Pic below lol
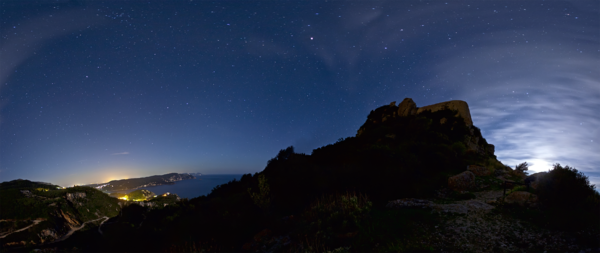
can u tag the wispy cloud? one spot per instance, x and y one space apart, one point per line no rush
122 153
535 103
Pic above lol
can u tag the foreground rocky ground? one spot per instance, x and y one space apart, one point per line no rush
475 226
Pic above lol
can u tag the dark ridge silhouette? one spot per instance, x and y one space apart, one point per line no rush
335 197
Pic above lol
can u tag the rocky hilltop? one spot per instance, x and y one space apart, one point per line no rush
474 141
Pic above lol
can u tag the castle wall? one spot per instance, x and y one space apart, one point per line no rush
461 106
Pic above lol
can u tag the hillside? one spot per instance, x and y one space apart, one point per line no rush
412 179
34 213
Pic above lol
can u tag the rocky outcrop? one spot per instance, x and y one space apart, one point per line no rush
48 235
76 195
478 170
458 105
490 149
71 221
27 193
407 107
473 141
462 181
521 198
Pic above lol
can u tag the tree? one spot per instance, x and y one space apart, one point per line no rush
523 167
262 198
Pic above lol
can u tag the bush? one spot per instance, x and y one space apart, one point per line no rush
337 215
566 187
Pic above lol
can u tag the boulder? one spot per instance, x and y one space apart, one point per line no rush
462 181
407 107
478 170
521 198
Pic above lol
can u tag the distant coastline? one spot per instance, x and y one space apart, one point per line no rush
190 188
138 183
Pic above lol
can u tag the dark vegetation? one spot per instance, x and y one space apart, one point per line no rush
568 199
522 167
141 194
161 200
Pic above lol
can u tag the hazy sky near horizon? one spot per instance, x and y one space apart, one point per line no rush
97 90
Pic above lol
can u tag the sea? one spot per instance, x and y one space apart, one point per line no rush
192 188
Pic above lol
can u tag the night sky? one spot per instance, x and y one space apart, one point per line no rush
92 91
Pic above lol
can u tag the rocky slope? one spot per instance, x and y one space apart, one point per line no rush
34 213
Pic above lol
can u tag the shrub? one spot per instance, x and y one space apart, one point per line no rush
261 199
459 148
337 215
565 187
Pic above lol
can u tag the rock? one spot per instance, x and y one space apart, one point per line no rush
393 103
461 106
478 170
71 221
534 179
521 198
27 193
475 205
407 107
48 235
72 196
409 202
490 149
451 208
462 181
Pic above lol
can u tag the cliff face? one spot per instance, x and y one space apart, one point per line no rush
473 141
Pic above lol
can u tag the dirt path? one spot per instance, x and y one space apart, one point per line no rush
78 228
35 222
100 226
